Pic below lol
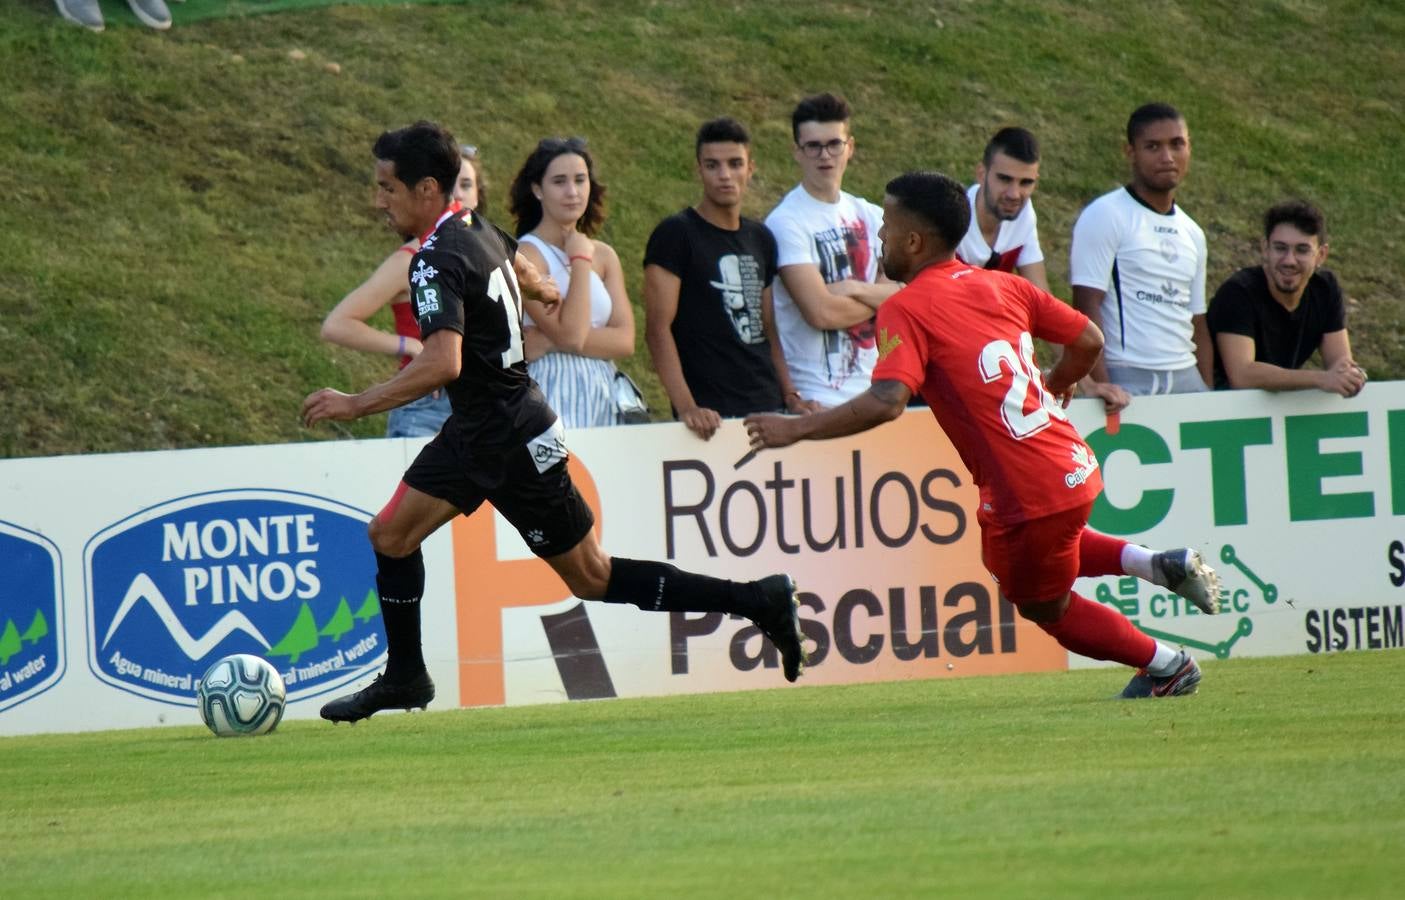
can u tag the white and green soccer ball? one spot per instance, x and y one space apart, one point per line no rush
241 695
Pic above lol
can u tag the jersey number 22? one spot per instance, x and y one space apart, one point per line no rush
995 357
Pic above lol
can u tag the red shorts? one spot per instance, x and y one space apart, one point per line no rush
1036 560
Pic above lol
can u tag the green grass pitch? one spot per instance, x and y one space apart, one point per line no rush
1284 778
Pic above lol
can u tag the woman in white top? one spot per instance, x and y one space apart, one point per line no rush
558 204
388 285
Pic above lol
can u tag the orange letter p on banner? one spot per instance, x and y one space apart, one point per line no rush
485 585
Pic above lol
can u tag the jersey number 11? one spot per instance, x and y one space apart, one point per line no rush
502 288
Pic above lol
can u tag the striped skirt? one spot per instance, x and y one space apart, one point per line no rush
579 388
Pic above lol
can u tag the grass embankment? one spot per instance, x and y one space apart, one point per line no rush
181 209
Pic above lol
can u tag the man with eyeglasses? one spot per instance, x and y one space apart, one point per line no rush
1267 320
828 252
1004 232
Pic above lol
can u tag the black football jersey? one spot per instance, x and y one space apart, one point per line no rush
462 278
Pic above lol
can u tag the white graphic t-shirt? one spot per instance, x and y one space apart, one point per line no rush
841 239
1152 267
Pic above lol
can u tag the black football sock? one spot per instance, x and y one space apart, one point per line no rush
659 586
400 582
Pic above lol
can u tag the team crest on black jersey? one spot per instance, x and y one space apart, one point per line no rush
423 274
427 300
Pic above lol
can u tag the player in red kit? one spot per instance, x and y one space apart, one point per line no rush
963 338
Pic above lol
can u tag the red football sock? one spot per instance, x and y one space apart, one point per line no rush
1099 554
1101 632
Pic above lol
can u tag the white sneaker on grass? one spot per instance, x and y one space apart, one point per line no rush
153 13
81 12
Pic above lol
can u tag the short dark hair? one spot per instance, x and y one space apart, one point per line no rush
527 209
423 150
1016 143
1300 214
936 199
1147 113
824 107
724 130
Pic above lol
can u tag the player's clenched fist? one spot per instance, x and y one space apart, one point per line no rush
327 404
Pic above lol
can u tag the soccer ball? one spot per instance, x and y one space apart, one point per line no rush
241 694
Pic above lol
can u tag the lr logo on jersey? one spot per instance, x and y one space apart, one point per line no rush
282 575
426 291
31 615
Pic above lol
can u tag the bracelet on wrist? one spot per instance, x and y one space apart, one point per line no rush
401 352
585 259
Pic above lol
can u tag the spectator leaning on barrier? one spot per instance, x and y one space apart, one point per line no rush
1004 231
347 326
1268 320
152 13
707 293
1137 266
828 251
558 204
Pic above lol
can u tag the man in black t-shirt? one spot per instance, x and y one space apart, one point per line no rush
502 443
1268 320
707 294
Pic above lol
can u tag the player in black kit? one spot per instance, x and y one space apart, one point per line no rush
502 443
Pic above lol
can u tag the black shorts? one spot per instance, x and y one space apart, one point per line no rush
528 484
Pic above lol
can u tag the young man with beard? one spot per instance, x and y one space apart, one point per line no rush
502 443
963 338
1004 231
1137 266
707 293
1268 320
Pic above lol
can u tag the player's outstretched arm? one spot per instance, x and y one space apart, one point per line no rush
882 402
437 365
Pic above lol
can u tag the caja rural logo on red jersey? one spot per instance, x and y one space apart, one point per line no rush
31 615
282 575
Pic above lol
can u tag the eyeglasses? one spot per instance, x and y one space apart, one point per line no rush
834 147
468 151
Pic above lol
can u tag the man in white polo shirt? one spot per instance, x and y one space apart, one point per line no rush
1004 232
828 252
1137 266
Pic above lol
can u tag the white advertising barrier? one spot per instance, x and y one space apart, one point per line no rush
1295 498
122 577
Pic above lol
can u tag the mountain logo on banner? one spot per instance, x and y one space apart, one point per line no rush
174 587
31 615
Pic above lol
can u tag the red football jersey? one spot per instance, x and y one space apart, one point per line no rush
962 338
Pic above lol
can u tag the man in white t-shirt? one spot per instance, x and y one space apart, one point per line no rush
1004 232
1137 266
828 254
